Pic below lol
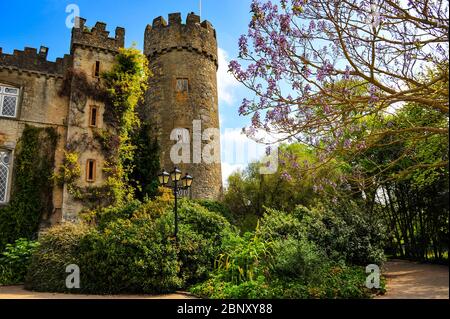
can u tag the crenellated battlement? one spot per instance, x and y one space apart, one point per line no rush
30 59
97 37
162 36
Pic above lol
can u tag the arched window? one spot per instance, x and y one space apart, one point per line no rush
5 159
9 98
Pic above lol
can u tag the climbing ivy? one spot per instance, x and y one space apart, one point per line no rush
125 85
145 164
32 185
131 159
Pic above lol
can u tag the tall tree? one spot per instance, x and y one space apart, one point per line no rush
320 69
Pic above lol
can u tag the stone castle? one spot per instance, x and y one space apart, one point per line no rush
183 88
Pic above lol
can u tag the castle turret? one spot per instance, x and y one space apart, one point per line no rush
183 88
93 52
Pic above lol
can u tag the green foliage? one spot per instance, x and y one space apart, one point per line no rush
285 268
217 207
59 247
278 225
244 258
33 185
131 249
131 162
249 192
345 232
15 260
125 86
299 259
337 282
145 163
133 256
68 172
409 181
301 254
201 233
103 216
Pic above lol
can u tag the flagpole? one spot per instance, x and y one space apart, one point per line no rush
200 4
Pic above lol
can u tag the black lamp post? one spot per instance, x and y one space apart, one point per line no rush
186 183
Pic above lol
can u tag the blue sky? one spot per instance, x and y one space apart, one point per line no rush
36 23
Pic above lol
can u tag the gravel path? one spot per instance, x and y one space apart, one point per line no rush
405 280
17 292
411 280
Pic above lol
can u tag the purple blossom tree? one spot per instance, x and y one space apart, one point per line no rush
320 68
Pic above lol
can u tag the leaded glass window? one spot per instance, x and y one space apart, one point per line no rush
5 160
9 98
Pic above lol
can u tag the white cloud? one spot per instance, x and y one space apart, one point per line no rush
225 81
238 151
228 169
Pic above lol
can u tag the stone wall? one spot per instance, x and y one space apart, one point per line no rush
88 47
184 51
175 50
39 105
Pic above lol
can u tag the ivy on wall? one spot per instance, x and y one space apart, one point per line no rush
32 185
145 164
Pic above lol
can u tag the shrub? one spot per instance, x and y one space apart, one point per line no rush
300 260
344 232
277 225
217 207
129 256
133 256
200 238
103 216
15 260
288 269
244 258
132 249
59 247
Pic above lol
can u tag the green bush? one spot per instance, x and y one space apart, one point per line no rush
131 249
217 207
133 256
344 232
15 260
200 239
288 269
277 225
59 247
103 216
244 258
279 261
129 256
300 260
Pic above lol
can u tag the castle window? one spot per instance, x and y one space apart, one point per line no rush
182 86
9 98
97 69
93 116
90 170
5 159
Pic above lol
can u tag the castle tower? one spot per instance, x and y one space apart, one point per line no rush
183 88
93 52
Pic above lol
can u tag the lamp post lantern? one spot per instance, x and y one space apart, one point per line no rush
175 177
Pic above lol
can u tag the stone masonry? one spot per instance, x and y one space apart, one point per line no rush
183 88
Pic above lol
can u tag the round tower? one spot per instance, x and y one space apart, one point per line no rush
183 89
